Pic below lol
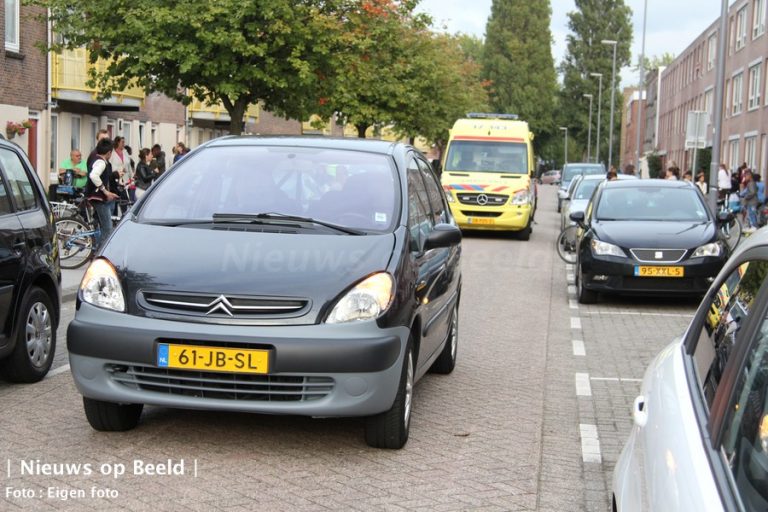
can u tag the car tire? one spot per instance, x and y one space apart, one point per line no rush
584 295
111 417
390 429
525 234
446 361
35 342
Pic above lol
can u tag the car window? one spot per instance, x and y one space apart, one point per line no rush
726 313
574 183
5 200
651 204
419 222
18 181
745 439
434 193
585 189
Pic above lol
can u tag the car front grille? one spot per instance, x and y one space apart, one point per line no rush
222 386
659 284
221 306
658 255
481 214
483 199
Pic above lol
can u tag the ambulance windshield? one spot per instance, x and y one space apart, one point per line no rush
485 156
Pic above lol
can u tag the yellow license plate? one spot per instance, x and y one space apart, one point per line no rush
480 220
212 359
642 271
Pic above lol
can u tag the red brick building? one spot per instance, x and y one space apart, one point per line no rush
629 125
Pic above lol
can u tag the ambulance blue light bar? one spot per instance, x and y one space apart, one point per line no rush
485 115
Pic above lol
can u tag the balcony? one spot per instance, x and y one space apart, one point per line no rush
69 77
217 113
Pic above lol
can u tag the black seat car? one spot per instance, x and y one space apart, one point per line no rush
306 276
29 271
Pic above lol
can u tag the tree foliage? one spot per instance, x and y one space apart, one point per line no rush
655 61
592 22
518 62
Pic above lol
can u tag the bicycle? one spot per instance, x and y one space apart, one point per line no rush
731 229
566 244
77 241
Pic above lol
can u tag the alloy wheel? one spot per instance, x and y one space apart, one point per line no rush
38 334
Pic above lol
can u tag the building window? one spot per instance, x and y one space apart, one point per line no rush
54 140
75 135
141 136
750 151
12 16
758 18
741 28
94 134
127 132
733 154
755 78
737 94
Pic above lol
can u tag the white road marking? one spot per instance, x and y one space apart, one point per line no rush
583 388
578 348
570 278
573 304
569 267
571 290
590 443
640 313
575 322
615 379
57 371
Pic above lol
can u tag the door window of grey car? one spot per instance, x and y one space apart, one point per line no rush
420 223
20 185
349 188
745 439
5 200
434 193
726 313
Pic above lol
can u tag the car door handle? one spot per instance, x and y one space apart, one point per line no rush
421 285
640 411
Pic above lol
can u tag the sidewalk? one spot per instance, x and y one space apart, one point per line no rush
70 281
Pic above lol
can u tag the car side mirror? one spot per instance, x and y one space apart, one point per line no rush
562 194
578 218
443 235
724 217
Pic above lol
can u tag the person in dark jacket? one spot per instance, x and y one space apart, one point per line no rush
749 199
144 175
97 190
158 162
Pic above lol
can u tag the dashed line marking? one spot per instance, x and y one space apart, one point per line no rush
571 289
639 313
583 388
590 443
56 371
578 348
570 278
573 304
569 267
575 322
615 379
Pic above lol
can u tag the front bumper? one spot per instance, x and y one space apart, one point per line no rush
315 370
610 274
499 218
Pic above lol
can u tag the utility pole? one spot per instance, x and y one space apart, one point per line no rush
599 76
717 114
640 122
589 129
613 43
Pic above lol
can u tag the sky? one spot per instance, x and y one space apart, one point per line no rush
671 25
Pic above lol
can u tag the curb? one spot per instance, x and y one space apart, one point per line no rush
68 295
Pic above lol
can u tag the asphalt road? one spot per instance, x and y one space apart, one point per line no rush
532 418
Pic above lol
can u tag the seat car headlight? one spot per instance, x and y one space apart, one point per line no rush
713 249
605 249
369 299
520 197
101 287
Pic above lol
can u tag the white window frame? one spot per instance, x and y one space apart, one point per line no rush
14 18
737 95
750 151
54 143
758 18
94 134
733 153
741 28
75 139
755 86
711 51
127 135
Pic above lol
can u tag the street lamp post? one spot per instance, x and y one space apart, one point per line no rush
589 129
613 99
599 76
565 152
640 123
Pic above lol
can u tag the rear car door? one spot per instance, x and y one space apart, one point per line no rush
12 256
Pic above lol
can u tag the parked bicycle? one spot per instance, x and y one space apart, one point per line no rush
566 244
732 229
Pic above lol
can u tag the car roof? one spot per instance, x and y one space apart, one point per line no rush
650 183
347 143
583 164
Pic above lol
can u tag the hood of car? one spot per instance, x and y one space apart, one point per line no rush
242 262
655 234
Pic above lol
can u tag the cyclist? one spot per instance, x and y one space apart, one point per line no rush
100 189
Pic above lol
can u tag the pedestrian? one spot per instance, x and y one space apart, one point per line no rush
76 167
101 135
673 171
748 196
158 159
97 190
131 185
723 182
611 175
760 188
688 176
121 172
179 151
701 182
629 170
144 174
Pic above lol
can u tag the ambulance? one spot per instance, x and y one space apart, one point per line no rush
487 175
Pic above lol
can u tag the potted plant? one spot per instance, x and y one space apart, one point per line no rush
13 128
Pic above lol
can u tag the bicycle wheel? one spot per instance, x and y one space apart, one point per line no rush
732 232
75 242
566 244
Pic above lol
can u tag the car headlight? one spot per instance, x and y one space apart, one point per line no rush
101 287
449 197
713 249
369 299
605 249
520 197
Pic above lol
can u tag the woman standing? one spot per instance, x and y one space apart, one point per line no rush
120 171
144 173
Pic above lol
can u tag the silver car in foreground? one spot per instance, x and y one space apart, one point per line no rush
700 436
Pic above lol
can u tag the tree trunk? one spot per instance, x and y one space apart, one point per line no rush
361 129
236 113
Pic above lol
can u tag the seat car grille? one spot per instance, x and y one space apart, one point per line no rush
221 306
222 386
483 199
481 214
658 255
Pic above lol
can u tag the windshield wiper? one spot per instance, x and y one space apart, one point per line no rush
264 218
177 222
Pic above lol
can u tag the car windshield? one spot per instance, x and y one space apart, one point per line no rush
347 188
651 203
482 156
584 189
574 170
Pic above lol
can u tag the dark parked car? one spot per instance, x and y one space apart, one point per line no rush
29 271
647 237
306 276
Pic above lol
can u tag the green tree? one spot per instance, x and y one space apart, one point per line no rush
592 22
656 61
518 62
278 52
